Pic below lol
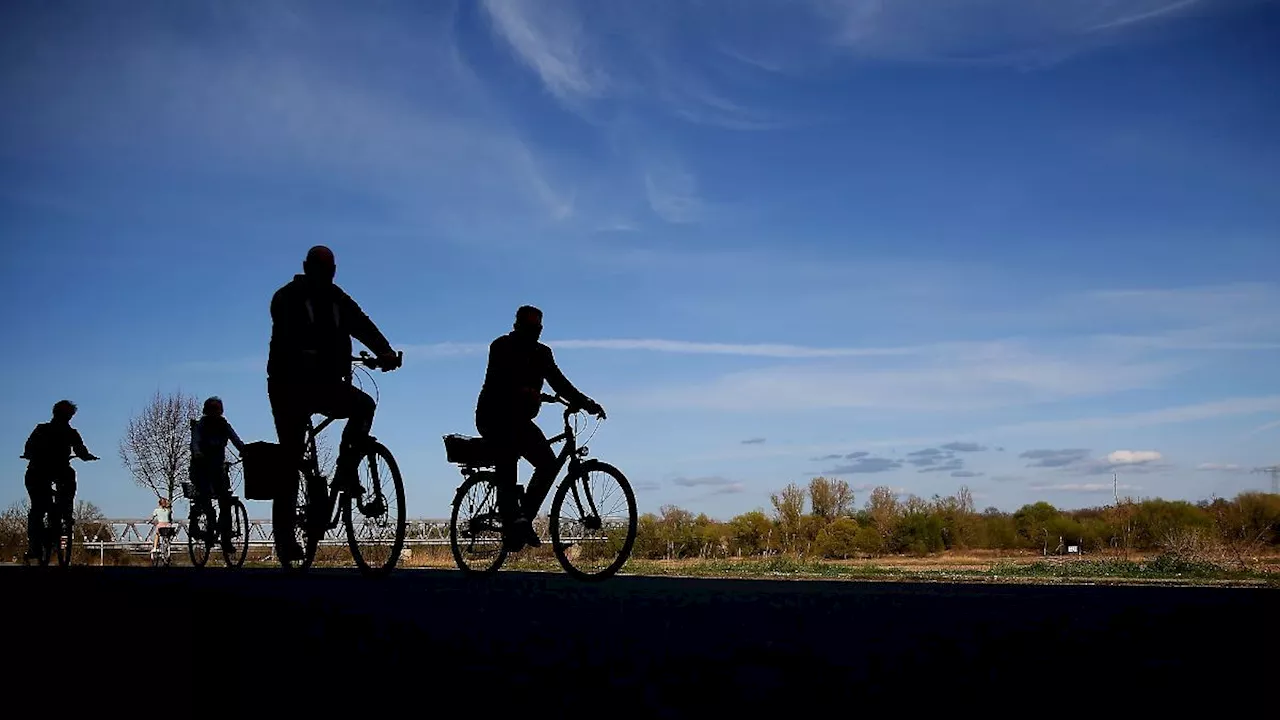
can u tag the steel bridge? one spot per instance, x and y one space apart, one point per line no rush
137 534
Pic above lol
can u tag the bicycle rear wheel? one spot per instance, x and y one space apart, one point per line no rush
476 541
199 534
595 539
237 545
310 516
376 544
64 538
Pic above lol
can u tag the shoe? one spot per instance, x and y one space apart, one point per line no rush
521 535
348 483
291 552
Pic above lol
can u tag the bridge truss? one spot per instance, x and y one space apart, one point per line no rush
137 534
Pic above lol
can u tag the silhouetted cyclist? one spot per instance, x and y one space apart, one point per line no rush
309 372
209 437
509 401
50 479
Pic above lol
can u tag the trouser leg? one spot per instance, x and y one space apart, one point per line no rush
290 421
38 489
533 446
345 401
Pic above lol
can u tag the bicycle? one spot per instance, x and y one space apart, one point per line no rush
162 554
478 465
56 525
319 506
203 525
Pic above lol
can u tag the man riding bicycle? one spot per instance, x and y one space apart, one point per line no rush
50 479
209 437
309 372
509 401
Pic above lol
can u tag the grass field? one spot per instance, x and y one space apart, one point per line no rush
969 566
974 566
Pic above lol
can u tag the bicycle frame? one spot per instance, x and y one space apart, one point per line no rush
211 504
334 497
571 455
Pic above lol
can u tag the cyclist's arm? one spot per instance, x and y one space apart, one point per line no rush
558 382
31 449
235 439
363 329
77 444
195 439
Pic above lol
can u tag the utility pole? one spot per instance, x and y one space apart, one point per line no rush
1274 472
1115 487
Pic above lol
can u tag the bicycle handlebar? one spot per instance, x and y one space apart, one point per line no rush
372 362
568 408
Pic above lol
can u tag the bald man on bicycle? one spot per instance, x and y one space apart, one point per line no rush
509 401
309 371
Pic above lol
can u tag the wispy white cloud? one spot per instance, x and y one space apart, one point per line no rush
643 54
275 99
1077 460
673 194
987 31
1083 487
968 377
743 349
1221 467
1263 428
1164 416
550 39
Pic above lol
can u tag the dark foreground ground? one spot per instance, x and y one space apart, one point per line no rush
665 647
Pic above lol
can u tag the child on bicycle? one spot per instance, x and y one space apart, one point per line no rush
162 518
50 479
209 437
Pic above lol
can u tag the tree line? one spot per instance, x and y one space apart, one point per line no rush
821 520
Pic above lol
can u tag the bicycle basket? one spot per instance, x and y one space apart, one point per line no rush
265 465
468 451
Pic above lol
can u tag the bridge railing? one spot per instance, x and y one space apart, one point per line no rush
138 534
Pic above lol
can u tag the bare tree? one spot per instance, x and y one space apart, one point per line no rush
156 447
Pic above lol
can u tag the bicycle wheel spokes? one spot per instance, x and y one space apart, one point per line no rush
475 528
376 520
593 522
310 515
198 537
237 542
65 538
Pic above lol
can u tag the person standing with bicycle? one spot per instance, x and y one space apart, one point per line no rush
509 401
309 371
50 479
209 437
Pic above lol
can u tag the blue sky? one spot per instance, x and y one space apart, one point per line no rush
1014 245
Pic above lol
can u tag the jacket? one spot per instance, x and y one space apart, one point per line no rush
311 330
513 381
51 444
209 437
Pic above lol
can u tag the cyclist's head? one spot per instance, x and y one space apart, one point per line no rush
213 406
528 322
320 264
64 410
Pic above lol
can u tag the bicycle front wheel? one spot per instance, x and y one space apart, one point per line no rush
48 538
199 534
376 541
593 521
475 528
236 546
